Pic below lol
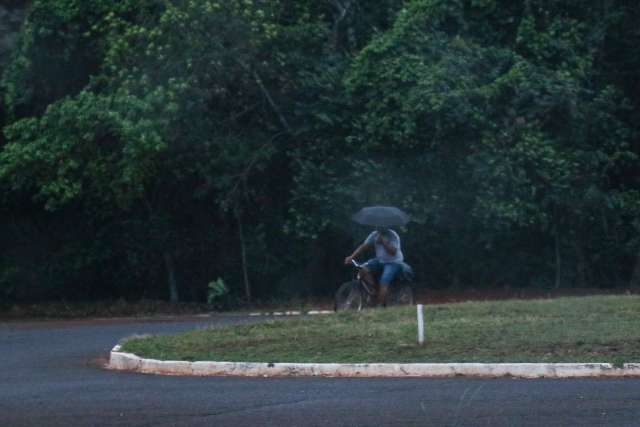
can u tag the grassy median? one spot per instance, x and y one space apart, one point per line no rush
584 329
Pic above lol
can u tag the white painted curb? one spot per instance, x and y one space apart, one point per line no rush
290 313
130 362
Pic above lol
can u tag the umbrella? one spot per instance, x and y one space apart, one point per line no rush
380 216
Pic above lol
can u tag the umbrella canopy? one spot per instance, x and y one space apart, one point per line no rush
381 216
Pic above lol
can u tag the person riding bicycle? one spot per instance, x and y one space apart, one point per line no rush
387 264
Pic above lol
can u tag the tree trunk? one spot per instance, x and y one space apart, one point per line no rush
243 254
558 262
635 276
456 283
581 267
171 277
315 274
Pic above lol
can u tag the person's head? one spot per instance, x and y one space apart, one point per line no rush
382 230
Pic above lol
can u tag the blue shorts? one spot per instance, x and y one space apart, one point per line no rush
387 271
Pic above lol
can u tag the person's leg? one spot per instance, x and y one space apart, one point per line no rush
369 272
389 271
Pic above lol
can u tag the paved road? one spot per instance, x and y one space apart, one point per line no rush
50 375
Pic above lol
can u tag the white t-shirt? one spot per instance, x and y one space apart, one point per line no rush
392 239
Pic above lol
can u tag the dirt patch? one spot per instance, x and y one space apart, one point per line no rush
101 361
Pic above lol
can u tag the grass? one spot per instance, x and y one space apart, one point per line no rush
585 329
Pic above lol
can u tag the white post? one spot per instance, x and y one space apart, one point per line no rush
420 325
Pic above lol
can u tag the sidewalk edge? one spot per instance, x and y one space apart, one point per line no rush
122 361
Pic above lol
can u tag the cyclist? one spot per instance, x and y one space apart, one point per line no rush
387 263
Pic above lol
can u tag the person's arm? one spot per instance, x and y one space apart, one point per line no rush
391 250
363 247
389 247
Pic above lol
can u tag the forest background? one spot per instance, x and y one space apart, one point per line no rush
151 147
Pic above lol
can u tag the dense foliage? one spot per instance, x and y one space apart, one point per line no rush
153 147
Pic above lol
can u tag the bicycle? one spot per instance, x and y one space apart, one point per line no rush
358 294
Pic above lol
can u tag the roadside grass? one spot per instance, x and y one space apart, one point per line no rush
584 329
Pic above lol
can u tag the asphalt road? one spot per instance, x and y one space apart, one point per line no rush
51 375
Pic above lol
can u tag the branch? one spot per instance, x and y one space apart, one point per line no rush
283 120
342 7
242 176
267 95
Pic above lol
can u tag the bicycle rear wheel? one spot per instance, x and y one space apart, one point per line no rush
401 296
349 297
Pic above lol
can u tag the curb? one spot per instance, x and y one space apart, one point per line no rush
291 313
130 362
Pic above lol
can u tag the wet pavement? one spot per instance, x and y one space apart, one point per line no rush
51 374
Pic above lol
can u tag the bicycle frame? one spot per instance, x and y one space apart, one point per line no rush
365 295
368 288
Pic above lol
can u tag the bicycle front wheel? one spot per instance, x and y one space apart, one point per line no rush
349 297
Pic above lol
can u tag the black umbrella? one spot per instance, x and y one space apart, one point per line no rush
381 216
